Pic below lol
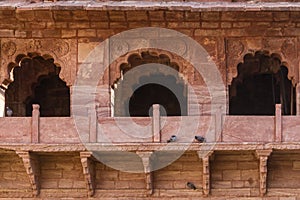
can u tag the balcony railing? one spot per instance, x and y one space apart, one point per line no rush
156 129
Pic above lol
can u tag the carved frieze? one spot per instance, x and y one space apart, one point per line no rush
286 48
63 51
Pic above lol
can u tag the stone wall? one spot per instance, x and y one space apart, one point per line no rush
227 37
233 174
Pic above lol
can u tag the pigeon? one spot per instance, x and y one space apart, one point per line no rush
9 112
191 185
200 138
173 138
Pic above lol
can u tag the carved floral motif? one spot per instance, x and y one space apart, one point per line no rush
9 48
63 51
237 48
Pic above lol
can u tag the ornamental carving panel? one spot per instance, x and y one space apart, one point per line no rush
63 51
237 48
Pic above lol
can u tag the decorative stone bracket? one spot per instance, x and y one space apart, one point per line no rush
146 159
89 171
262 156
31 164
204 156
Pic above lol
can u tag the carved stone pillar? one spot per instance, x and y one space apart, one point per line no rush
204 156
31 164
89 171
146 159
262 156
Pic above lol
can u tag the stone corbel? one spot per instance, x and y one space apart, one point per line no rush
89 171
262 156
31 164
146 159
204 156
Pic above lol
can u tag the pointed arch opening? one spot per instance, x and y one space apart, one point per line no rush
34 79
135 95
262 82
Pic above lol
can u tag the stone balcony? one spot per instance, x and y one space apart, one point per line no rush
153 131
243 149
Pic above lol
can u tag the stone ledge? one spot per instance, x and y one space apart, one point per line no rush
149 147
148 5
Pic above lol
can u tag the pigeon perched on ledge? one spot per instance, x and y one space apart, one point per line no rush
9 112
173 138
191 185
200 138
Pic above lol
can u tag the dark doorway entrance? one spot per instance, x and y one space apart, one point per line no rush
261 83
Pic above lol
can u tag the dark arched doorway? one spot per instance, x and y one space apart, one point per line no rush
149 79
36 81
142 99
261 83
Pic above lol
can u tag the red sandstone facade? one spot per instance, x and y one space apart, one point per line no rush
42 153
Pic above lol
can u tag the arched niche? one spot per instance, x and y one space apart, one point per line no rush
142 56
63 51
284 47
134 96
261 82
34 79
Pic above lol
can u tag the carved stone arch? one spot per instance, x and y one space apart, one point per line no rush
285 48
184 68
34 79
262 82
63 52
123 90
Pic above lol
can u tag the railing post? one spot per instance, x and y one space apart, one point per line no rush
35 123
156 123
278 124
218 128
93 122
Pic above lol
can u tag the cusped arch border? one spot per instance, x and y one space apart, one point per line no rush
186 69
63 51
286 48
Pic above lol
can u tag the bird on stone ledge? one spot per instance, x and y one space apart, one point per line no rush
9 111
200 138
173 138
191 185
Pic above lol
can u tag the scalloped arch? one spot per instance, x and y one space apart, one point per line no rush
283 47
62 51
184 67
